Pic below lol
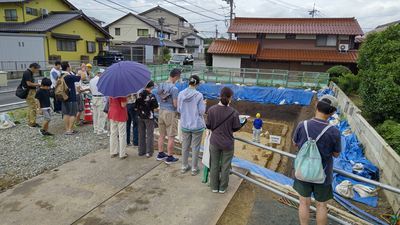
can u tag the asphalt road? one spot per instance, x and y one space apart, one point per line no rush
7 94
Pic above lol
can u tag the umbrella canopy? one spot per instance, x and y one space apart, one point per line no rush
123 78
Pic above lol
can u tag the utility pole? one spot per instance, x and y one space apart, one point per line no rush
313 12
216 31
230 2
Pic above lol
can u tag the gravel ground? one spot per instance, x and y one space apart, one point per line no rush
25 153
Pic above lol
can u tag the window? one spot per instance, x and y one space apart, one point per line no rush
66 45
10 14
31 11
142 32
191 41
326 40
91 46
290 36
117 31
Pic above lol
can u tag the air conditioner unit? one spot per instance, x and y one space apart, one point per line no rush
343 47
45 12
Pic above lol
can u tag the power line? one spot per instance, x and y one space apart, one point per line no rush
207 10
189 10
116 3
102 3
207 21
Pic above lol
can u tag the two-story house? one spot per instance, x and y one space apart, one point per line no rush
42 30
193 44
178 24
299 44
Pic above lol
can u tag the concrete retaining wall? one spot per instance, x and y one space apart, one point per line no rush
375 147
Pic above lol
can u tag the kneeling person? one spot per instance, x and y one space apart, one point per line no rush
43 95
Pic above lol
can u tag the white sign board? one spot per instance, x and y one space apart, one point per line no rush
275 139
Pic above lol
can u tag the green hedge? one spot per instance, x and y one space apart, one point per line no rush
349 83
390 131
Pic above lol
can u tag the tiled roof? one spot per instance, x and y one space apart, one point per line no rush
308 55
162 9
343 26
233 47
40 25
156 42
54 19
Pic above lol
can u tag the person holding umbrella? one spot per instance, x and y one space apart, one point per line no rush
118 81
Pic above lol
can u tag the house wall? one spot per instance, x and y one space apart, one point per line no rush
226 61
129 26
22 48
74 28
293 44
198 41
175 23
285 65
50 5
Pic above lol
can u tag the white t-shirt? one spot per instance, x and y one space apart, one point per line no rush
54 74
93 86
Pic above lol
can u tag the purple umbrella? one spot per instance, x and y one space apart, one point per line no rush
123 78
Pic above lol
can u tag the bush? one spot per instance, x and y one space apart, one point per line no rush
390 131
349 83
337 71
379 63
165 54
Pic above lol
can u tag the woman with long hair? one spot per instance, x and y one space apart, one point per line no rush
222 120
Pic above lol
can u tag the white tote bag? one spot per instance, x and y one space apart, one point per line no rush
206 150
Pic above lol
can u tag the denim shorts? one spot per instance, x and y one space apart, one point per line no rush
46 114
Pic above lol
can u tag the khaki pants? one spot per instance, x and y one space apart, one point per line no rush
99 117
168 123
32 107
118 138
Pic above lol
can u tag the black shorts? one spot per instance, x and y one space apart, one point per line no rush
322 193
69 108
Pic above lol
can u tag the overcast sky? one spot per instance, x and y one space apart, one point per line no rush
369 13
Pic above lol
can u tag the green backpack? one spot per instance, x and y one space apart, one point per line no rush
308 163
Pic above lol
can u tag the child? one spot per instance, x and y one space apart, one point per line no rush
257 128
43 96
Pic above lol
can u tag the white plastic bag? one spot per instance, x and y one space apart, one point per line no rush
345 189
5 121
206 151
365 191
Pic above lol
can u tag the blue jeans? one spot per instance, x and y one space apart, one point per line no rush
132 119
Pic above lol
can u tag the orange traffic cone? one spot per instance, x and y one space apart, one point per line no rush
88 111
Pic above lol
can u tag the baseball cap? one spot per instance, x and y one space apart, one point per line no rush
329 99
89 65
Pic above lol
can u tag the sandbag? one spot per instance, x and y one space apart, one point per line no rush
345 189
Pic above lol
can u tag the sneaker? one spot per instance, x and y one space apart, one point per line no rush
124 157
214 191
161 156
114 155
129 144
171 159
42 132
149 155
195 172
34 125
48 134
185 169
222 191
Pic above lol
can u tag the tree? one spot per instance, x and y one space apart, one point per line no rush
379 64
337 71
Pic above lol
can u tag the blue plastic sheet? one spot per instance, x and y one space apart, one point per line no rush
261 171
265 95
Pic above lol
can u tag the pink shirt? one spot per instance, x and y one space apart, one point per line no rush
116 112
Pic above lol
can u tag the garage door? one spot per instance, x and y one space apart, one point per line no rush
17 52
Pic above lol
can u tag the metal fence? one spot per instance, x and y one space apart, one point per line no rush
247 76
18 66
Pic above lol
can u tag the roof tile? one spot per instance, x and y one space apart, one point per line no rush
341 26
308 55
233 47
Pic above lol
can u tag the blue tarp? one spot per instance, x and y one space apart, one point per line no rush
265 95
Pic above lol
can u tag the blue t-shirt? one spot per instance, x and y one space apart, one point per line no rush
70 82
173 92
258 123
329 143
